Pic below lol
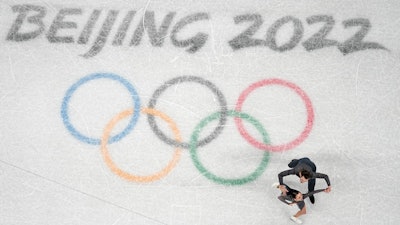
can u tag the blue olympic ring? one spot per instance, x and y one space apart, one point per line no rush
96 141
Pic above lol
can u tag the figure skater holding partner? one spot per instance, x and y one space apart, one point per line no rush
305 169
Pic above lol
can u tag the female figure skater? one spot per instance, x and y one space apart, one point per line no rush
292 197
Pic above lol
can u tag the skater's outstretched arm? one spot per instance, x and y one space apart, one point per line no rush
326 178
282 187
312 193
285 173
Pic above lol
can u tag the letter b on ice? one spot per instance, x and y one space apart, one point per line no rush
14 34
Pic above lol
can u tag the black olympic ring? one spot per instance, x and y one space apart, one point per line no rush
214 89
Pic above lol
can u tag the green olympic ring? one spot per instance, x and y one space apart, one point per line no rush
225 181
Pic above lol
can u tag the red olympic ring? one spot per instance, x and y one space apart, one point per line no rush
282 147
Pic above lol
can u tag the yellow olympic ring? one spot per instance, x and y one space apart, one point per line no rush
128 176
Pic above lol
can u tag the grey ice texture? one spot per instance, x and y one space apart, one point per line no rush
47 176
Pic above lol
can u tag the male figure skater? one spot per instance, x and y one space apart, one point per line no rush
306 170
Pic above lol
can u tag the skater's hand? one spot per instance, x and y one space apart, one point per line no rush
327 190
283 189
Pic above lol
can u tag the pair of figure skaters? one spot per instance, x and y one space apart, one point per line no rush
305 169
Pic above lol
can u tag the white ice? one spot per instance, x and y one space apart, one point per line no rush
48 176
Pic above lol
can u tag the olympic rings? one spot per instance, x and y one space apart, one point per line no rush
214 89
282 147
72 89
194 143
260 169
114 168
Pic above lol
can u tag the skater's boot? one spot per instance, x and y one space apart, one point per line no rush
296 220
312 199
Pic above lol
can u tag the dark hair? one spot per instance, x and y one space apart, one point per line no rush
306 174
293 193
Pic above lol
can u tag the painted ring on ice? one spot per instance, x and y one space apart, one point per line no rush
227 181
75 86
177 80
131 177
282 147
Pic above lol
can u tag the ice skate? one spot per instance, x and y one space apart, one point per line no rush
312 199
296 220
275 185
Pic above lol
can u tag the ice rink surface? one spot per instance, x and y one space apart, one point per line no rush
184 112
